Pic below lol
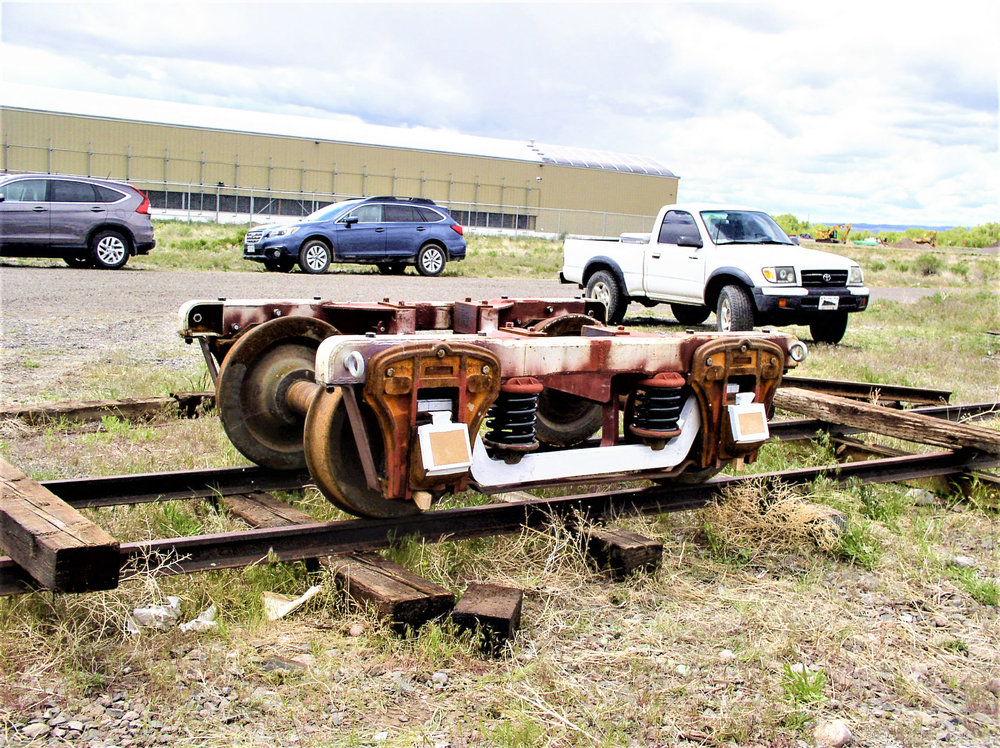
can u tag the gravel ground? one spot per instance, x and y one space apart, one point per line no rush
65 317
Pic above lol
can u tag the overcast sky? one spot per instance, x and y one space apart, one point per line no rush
833 111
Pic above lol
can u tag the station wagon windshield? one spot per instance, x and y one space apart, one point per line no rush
330 211
742 227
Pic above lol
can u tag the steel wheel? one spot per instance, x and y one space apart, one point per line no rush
109 250
253 386
431 260
314 257
331 454
562 419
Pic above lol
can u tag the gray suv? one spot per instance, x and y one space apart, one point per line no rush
86 222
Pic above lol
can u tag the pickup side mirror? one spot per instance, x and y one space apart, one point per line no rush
351 220
689 240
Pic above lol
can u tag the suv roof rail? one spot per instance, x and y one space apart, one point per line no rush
421 200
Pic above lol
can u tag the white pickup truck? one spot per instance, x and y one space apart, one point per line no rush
736 262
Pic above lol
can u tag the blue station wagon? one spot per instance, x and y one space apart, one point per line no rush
389 232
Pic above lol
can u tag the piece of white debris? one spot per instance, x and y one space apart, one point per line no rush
278 606
204 621
154 616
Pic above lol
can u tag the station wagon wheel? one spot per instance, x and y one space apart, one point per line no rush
734 311
314 257
430 260
109 250
331 453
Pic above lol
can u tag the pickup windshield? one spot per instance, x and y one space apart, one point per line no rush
742 227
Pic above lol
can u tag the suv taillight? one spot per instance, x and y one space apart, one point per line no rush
458 229
144 205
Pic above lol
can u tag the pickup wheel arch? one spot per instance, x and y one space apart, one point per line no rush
722 277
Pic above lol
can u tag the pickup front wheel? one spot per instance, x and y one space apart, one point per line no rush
734 310
602 286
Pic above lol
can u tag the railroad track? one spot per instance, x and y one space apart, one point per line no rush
308 540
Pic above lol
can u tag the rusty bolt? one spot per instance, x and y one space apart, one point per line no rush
549 310
708 361
196 317
486 370
439 353
743 349
774 361
234 327
277 312
390 372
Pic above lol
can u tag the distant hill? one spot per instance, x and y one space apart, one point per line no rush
877 227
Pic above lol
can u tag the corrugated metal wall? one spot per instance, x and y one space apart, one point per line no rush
560 199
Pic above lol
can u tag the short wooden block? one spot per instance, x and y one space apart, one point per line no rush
392 591
56 545
491 610
621 551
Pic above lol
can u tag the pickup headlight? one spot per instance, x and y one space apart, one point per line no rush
856 277
283 231
779 274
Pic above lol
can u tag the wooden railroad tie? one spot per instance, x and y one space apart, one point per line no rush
57 546
393 592
621 552
491 611
900 424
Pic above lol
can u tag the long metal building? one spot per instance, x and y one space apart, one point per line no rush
203 161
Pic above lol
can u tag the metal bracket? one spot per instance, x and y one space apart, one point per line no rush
360 436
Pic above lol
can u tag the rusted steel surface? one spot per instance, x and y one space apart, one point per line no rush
300 542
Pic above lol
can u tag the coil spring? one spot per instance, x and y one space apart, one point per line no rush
656 409
510 421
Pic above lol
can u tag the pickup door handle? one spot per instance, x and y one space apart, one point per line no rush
38 209
96 209
656 256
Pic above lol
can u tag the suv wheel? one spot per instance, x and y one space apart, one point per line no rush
734 310
109 250
314 257
829 327
430 260
602 286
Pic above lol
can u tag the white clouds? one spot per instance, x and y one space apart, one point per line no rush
853 112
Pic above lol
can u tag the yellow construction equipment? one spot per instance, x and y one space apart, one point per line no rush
929 238
833 234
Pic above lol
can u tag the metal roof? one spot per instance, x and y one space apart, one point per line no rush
340 128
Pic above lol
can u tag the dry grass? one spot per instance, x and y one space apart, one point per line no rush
897 640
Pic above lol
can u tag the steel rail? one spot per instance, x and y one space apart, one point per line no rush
194 484
299 542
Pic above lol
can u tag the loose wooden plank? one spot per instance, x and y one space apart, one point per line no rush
622 551
491 610
914 427
56 545
260 509
391 590
181 404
